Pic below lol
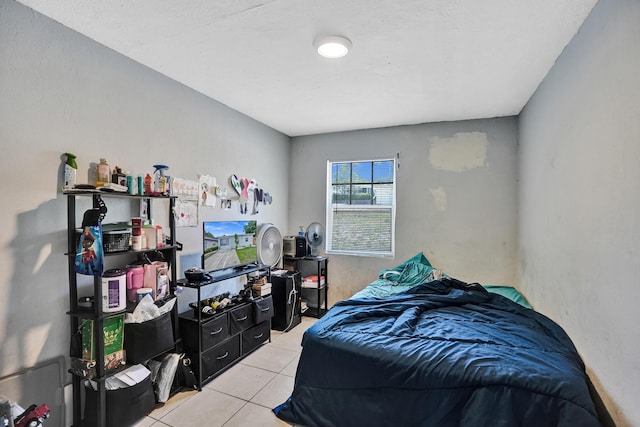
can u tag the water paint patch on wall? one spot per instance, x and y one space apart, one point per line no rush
439 198
461 152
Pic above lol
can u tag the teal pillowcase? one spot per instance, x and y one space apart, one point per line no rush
413 271
509 292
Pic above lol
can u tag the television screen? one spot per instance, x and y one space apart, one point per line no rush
228 244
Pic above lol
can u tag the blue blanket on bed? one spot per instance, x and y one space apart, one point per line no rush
443 353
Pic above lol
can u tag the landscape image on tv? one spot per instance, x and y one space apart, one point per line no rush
228 244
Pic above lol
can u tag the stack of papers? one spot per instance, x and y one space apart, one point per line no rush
129 377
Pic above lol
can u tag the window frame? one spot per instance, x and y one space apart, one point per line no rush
330 207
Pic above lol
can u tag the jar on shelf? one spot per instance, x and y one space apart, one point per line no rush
103 173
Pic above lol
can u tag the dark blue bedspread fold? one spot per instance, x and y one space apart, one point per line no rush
443 353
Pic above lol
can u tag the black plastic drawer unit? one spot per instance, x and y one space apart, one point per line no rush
216 342
255 336
218 357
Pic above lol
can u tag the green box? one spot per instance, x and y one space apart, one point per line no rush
113 340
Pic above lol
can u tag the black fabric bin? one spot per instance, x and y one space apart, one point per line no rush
262 309
125 406
146 340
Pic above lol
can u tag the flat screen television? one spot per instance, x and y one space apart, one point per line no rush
228 244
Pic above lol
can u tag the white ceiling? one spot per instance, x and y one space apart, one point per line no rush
412 61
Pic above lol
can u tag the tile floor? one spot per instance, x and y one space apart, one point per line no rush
243 395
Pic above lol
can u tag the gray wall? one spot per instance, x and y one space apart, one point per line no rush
579 222
577 218
60 91
456 197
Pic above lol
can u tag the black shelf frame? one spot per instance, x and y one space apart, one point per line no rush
217 276
220 275
76 314
322 270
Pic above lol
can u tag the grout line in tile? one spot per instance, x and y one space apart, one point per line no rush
235 413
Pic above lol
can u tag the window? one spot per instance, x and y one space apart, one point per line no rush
361 207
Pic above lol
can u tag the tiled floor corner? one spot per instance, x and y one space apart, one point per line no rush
244 395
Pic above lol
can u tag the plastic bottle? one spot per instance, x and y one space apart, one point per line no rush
103 173
70 171
147 184
131 187
160 179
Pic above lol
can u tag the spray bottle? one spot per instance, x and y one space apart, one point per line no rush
70 171
161 184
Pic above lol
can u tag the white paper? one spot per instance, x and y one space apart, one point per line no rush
133 375
184 189
207 190
186 212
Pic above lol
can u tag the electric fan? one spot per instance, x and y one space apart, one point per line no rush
315 237
269 245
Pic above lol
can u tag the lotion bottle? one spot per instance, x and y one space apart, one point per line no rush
103 173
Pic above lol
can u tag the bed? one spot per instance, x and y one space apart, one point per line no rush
437 352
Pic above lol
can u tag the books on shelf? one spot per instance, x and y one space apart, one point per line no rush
312 281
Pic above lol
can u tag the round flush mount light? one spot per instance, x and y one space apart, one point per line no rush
332 46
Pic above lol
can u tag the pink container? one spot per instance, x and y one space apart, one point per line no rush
135 281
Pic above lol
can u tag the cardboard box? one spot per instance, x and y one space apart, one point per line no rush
153 234
262 290
113 337
114 354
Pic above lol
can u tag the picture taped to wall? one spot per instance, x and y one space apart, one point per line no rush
184 189
207 190
186 212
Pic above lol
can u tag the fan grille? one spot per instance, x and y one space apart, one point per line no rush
315 236
269 245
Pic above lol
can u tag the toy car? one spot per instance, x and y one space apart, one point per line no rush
33 416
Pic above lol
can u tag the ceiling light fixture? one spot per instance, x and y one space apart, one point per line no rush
332 46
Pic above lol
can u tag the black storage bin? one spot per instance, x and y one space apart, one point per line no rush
217 358
240 318
125 406
262 309
255 336
146 340
213 330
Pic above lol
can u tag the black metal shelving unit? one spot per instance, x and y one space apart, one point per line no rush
78 313
321 269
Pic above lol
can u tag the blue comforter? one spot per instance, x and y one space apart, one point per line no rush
443 353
